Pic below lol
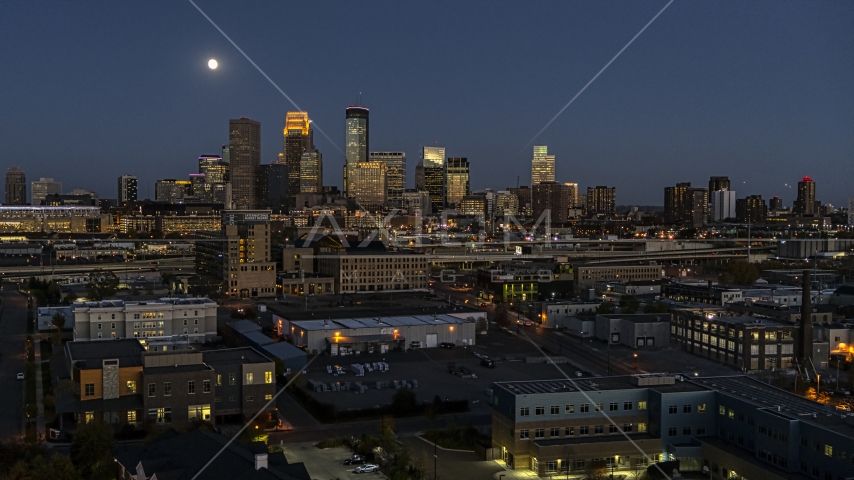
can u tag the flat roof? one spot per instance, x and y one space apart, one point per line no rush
365 339
370 311
641 317
379 322
757 321
178 369
90 354
234 355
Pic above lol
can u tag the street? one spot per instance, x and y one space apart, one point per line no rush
13 328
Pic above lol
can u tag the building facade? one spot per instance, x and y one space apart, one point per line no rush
601 200
128 189
171 190
751 209
298 139
356 141
16 187
395 175
723 204
457 183
542 165
217 186
367 184
244 140
805 203
42 188
358 271
311 172
586 276
552 197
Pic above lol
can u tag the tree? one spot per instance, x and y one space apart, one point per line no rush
102 283
605 308
403 402
741 273
58 466
502 315
629 304
656 307
596 469
92 450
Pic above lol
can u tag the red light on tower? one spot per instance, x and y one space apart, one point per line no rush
807 179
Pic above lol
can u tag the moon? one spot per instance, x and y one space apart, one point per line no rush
212 64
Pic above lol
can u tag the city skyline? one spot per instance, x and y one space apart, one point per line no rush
763 122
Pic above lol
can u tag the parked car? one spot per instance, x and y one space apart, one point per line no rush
528 324
415 344
844 408
20 376
447 345
354 460
487 362
367 468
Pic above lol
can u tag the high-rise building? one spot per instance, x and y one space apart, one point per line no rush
573 194
311 172
417 202
506 203
542 165
395 175
551 196
172 190
217 187
16 187
128 189
601 200
717 184
299 138
686 204
805 204
456 181
244 141
674 199
198 193
751 209
776 203
433 182
523 193
723 204
274 182
356 141
41 188
226 155
367 184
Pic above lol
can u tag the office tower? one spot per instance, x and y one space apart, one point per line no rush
723 204
417 202
456 181
171 190
474 205
751 209
244 142
127 189
805 204
310 174
542 165
356 141
395 175
226 156
43 187
552 196
506 203
274 182
717 184
523 194
367 184
217 186
16 187
432 177
674 201
299 139
601 200
573 194
198 193
776 203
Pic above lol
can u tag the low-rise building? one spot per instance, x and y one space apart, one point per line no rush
363 270
554 312
701 292
635 331
586 276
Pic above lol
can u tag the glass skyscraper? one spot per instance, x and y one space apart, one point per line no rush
244 141
542 166
456 181
395 175
298 139
356 141
430 177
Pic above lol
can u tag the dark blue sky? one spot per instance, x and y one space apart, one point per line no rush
762 91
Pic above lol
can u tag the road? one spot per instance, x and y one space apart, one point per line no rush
13 336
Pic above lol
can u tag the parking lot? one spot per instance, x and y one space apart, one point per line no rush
327 463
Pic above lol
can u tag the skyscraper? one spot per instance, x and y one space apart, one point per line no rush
274 181
524 195
723 204
542 166
601 200
430 176
171 190
776 203
127 189
805 204
456 181
686 204
573 194
16 187
751 209
367 184
717 184
395 175
356 141
217 188
299 138
41 188
311 172
551 196
244 141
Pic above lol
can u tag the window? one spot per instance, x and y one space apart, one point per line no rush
555 410
686 430
161 415
627 427
613 407
671 432
191 386
540 433
185 322
89 389
196 321
250 398
642 405
167 388
569 431
113 325
539 410
672 409
268 377
232 379
524 411
701 430
598 407
250 378
206 386
268 396
198 412
523 434
627 405
585 408
218 380
641 427
131 416
612 428
701 408
828 450
598 430
570 409
585 430
551 467
686 408
722 410
151 389
232 398
731 413
99 326
218 400
131 386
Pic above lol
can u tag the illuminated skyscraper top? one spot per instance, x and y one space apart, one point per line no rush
357 135
433 157
297 122
542 165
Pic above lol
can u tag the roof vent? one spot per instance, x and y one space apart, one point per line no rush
260 461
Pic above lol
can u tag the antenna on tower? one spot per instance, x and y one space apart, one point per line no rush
517 181
360 99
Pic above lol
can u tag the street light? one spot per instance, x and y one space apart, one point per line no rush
636 360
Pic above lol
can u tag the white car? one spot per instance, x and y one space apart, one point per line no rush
20 376
367 468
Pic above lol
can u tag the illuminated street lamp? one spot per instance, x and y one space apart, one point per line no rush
636 360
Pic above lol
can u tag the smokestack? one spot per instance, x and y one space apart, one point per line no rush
805 350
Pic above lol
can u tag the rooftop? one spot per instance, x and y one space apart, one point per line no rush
379 322
177 369
161 301
234 355
640 318
87 355
402 309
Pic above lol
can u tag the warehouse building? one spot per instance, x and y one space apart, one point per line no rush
380 334
635 331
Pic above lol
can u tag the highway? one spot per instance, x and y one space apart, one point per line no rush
53 271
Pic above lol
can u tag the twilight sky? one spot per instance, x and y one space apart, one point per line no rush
762 91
